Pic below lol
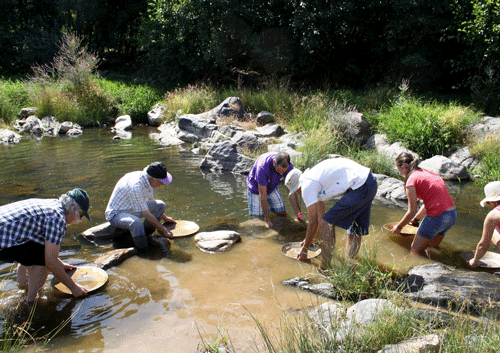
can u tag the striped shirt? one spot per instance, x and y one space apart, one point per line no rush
130 195
38 220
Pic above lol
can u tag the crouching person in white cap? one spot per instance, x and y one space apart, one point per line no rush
323 182
491 225
132 199
31 233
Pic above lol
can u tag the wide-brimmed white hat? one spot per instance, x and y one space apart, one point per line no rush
292 180
492 192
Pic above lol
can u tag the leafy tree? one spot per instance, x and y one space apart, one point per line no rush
477 26
29 32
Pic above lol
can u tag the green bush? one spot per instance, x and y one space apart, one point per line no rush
428 129
130 98
13 96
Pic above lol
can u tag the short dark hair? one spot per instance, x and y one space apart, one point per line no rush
282 157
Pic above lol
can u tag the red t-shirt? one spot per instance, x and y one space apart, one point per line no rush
432 190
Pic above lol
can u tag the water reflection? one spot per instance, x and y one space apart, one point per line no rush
153 297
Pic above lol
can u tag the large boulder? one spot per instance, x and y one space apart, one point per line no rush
464 157
391 189
487 126
355 126
226 156
195 125
8 137
443 286
50 126
26 112
270 130
446 168
123 122
381 144
168 135
155 115
249 141
231 107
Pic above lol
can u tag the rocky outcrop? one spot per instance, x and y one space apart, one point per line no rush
391 190
227 156
48 126
155 115
217 241
440 285
8 137
483 128
446 168
381 144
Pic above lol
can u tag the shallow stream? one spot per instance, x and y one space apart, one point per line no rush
155 303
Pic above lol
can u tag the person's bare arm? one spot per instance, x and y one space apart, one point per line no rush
294 201
490 222
265 206
57 267
411 193
156 223
314 215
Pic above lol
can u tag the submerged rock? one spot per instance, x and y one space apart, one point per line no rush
217 241
114 257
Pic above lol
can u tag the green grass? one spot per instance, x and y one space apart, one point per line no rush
427 128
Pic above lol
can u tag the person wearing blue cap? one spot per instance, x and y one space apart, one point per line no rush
31 233
132 199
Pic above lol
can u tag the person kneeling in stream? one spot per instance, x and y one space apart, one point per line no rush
132 199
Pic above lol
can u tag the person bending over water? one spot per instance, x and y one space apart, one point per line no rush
326 180
31 233
262 182
491 226
438 207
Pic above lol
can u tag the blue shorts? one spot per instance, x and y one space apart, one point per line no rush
352 211
432 226
27 254
274 200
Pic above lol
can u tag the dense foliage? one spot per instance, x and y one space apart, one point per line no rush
451 44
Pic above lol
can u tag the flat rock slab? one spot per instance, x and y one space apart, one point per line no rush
444 286
429 343
326 290
104 231
217 241
114 257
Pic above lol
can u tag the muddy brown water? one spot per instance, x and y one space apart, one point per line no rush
169 303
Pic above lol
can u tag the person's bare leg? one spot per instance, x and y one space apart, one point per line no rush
419 245
22 276
327 243
436 241
37 275
352 245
